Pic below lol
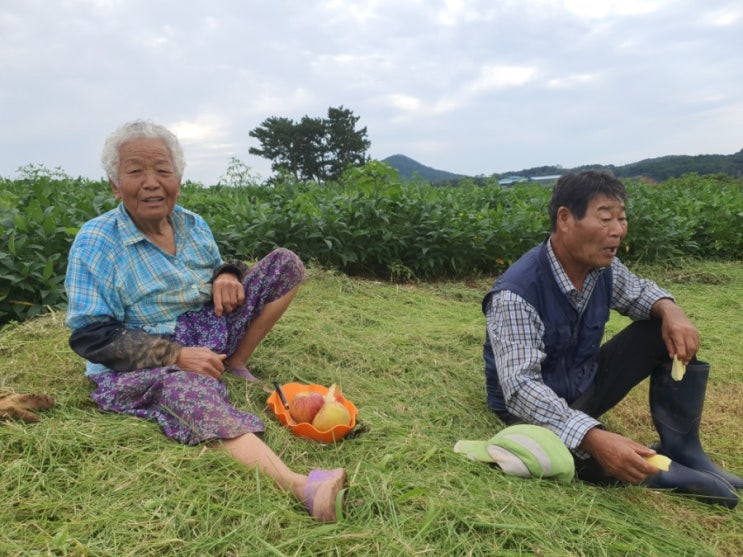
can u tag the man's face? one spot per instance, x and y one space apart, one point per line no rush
148 183
593 241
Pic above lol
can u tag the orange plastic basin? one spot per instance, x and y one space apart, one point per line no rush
304 429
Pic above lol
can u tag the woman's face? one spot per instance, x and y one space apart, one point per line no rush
148 183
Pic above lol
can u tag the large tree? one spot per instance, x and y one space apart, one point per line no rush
319 149
345 146
277 138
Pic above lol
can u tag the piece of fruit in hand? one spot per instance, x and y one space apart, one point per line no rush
660 461
678 369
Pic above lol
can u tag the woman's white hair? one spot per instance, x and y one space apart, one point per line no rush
136 130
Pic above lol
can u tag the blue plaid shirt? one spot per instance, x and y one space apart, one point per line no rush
115 272
516 331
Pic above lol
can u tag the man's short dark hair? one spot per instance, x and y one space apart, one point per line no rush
576 190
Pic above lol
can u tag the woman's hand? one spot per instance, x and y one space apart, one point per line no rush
228 294
198 359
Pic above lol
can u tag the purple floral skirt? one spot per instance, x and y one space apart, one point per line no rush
190 407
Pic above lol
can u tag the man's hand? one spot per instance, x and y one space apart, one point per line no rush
227 293
679 333
620 457
198 359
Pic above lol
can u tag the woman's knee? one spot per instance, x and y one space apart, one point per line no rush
287 262
278 272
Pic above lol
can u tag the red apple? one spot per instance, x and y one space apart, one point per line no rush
305 405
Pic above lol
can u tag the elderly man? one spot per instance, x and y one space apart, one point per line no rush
545 364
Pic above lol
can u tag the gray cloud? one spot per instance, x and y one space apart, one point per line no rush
474 87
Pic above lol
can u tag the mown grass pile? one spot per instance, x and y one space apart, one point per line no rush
81 482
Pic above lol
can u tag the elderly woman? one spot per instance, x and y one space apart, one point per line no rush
159 316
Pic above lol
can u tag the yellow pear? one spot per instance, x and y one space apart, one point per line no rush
331 414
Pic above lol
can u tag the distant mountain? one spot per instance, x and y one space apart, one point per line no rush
407 168
660 168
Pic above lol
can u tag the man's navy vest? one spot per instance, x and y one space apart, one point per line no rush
572 340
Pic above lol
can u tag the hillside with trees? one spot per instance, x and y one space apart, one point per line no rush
408 169
657 169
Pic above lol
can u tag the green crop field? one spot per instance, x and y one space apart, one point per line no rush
369 224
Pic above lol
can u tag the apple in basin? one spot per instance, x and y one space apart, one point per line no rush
305 405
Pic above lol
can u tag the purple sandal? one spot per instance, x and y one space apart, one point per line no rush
321 493
244 373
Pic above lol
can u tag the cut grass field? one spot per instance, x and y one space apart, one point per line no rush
81 482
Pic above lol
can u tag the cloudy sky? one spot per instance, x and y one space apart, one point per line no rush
472 87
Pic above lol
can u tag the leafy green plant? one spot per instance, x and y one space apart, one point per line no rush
36 232
369 223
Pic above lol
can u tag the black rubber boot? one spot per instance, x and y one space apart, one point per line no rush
676 407
708 488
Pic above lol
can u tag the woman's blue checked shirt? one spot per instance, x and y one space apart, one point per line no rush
115 272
